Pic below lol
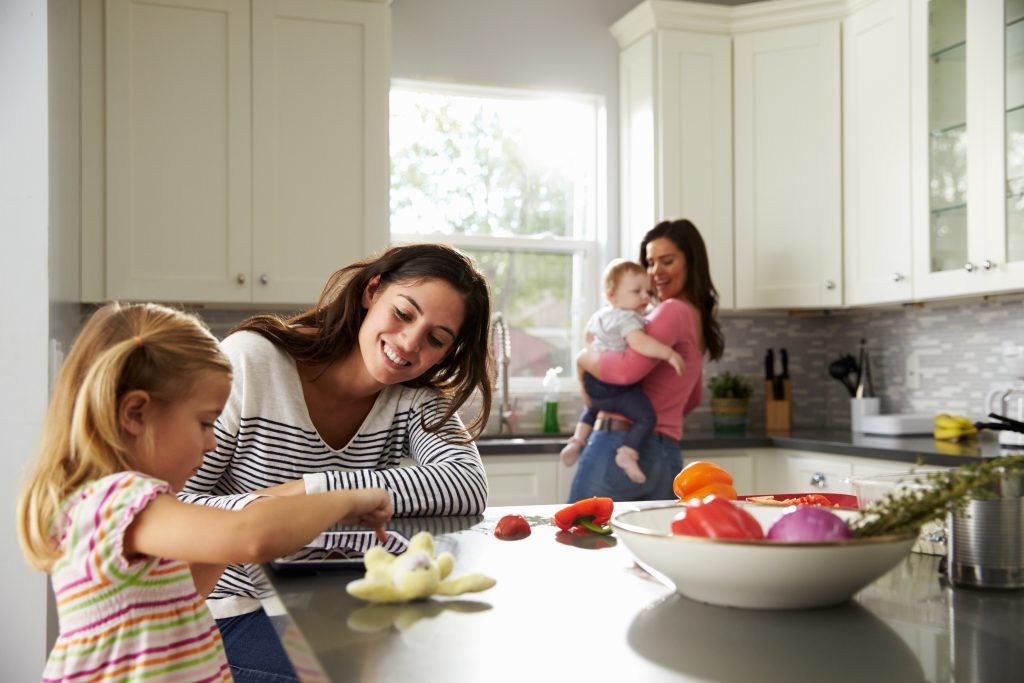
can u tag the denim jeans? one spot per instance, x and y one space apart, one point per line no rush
598 475
628 400
254 649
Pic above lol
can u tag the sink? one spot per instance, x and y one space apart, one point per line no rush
521 443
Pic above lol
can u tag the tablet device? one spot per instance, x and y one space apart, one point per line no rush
335 551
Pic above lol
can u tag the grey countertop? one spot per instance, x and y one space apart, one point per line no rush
562 611
904 449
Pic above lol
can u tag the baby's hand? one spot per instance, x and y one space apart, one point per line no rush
676 361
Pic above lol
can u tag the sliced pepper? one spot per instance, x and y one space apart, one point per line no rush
716 517
589 513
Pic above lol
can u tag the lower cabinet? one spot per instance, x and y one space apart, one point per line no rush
526 479
738 463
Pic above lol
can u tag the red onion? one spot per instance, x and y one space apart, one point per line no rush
808 525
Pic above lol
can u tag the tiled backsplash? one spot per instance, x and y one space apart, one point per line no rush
958 346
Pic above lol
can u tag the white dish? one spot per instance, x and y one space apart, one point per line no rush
757 574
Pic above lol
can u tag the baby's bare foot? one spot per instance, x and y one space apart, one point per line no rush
626 458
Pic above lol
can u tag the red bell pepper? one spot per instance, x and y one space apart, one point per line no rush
716 517
590 513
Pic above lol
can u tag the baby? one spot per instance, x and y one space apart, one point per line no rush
613 328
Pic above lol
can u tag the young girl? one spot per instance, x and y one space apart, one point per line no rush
616 327
338 396
130 419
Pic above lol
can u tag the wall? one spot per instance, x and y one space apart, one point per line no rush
23 279
561 45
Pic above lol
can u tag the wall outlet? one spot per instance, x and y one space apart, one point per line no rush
913 371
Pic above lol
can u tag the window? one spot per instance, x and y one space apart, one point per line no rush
515 179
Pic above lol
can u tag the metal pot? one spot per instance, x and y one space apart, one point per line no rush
986 540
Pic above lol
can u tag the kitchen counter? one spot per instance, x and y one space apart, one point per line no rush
901 449
563 612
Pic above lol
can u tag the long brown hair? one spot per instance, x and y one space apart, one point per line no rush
144 347
339 313
698 288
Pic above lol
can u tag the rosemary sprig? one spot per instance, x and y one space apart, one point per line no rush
906 510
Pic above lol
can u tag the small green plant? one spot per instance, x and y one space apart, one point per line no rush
729 385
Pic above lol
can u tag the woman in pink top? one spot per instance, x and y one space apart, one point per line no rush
676 259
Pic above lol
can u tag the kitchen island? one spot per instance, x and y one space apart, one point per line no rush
565 610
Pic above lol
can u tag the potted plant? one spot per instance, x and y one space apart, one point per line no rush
730 397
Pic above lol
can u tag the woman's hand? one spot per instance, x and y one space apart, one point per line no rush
587 360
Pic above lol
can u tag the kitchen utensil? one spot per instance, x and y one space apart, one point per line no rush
986 540
839 370
780 381
757 574
865 387
769 366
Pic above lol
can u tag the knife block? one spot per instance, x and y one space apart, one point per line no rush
778 413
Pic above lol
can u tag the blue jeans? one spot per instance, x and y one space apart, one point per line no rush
254 649
598 475
628 400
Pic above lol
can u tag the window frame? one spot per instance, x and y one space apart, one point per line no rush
588 252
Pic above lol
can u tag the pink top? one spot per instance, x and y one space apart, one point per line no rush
672 395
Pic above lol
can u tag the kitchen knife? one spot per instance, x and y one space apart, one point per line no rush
781 381
769 365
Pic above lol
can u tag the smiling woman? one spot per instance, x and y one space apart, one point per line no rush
339 394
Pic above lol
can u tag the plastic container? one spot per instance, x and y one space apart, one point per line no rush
550 385
934 535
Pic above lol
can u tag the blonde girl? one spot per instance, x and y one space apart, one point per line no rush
130 419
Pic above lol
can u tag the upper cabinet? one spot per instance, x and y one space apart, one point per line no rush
233 150
788 165
968 79
675 113
877 235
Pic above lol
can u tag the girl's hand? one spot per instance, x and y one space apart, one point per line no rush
371 508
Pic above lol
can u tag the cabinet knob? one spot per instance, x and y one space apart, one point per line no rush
970 267
988 265
818 480
240 278
264 279
830 284
897 277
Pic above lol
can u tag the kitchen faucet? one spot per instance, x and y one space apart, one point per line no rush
501 346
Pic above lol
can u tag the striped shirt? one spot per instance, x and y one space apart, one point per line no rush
265 437
124 620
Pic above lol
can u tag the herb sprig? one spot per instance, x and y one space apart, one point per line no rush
906 510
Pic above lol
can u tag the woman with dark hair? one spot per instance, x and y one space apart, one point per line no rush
675 257
336 396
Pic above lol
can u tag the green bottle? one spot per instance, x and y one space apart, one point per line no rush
550 384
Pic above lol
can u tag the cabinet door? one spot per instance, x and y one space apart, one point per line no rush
739 465
817 475
787 142
177 150
522 479
876 154
320 154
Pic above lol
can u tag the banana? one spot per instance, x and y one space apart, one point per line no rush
947 433
947 421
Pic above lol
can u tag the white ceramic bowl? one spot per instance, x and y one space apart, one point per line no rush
757 574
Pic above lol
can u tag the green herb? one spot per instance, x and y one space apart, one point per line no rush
934 494
729 385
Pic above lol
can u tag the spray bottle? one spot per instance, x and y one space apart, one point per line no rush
550 384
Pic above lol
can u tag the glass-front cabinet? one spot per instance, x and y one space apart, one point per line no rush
968 118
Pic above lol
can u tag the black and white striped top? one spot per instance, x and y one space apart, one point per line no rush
265 437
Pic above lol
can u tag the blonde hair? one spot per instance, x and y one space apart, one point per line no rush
121 348
616 270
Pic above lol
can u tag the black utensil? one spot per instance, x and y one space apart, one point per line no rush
769 365
840 370
1008 422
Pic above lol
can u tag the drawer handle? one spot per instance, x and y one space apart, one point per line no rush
818 480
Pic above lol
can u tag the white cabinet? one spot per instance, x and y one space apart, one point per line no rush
968 66
675 113
877 227
233 151
787 141
739 464
523 479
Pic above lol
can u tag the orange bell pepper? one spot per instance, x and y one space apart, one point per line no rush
590 513
700 479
